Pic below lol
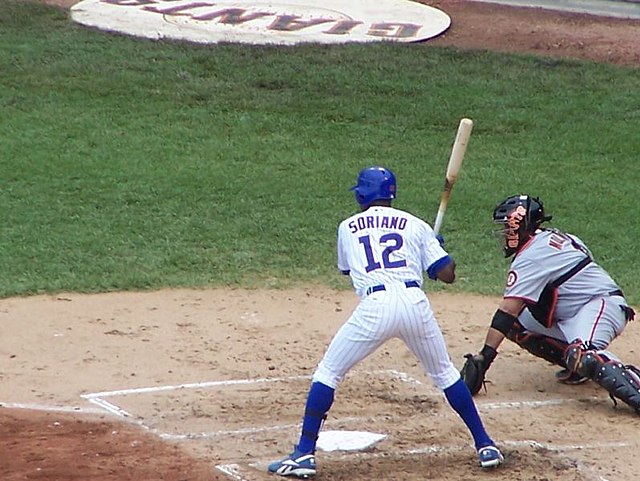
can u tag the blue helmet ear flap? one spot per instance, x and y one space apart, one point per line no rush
374 183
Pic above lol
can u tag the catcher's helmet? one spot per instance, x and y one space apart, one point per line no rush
374 183
520 216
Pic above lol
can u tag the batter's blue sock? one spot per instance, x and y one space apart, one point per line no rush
319 402
461 401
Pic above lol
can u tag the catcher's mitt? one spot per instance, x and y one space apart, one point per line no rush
475 368
473 372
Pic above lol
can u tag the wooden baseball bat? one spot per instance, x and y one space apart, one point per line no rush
455 162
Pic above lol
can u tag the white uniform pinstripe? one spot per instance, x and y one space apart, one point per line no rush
387 246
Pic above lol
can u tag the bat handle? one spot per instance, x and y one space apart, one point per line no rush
438 223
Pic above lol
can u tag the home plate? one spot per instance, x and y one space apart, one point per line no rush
347 440
327 441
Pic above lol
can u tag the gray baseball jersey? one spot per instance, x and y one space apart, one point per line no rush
588 305
385 251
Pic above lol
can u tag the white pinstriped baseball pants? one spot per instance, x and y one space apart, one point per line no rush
397 312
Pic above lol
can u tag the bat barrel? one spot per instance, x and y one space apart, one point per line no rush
453 168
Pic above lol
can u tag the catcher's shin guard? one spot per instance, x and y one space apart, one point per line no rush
547 348
621 382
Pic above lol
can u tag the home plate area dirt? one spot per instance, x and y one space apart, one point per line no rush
182 385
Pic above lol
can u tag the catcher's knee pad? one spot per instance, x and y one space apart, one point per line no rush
547 348
578 357
584 362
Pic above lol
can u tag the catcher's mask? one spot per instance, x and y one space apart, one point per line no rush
374 183
519 217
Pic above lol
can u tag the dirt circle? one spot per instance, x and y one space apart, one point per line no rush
477 25
193 385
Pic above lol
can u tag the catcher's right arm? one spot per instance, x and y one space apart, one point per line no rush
475 367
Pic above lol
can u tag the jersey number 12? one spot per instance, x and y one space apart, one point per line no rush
393 242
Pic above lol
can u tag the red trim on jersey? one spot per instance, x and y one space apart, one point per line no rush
598 317
526 300
525 245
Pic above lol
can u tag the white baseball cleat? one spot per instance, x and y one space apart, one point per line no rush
490 457
297 464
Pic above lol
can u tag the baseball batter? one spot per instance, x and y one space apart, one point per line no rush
386 251
558 304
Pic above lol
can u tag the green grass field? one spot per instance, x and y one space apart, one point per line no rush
133 164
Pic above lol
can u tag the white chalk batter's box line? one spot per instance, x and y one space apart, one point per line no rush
52 409
100 399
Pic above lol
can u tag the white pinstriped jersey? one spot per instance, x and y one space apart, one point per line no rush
383 245
545 257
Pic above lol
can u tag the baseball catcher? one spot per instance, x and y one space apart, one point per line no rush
552 278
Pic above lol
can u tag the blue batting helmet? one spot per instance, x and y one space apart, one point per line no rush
374 183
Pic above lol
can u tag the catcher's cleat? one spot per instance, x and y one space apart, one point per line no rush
490 457
565 376
297 464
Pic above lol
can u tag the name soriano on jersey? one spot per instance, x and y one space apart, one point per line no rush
377 222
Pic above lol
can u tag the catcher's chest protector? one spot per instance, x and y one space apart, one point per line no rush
544 310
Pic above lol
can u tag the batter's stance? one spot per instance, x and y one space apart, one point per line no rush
385 251
558 304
